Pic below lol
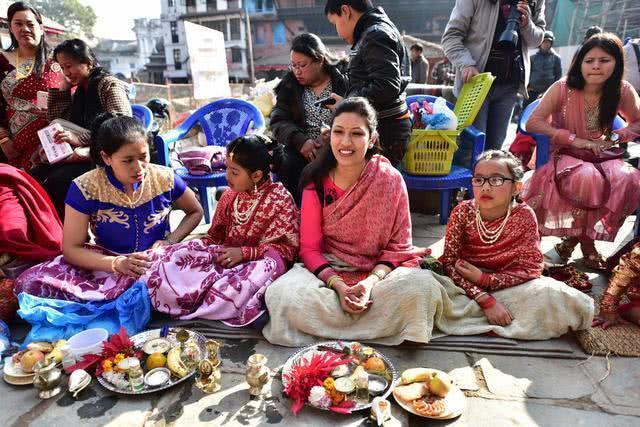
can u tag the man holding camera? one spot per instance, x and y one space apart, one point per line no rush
494 36
379 68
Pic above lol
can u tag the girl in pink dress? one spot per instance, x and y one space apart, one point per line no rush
570 196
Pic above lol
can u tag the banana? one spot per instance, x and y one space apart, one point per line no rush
56 354
43 347
416 374
175 363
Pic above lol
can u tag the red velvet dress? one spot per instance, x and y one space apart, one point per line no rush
514 259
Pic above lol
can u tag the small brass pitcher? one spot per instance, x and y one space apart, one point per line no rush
47 379
257 374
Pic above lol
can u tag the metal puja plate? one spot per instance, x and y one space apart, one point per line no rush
139 340
305 352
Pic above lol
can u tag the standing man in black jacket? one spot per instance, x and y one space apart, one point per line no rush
379 68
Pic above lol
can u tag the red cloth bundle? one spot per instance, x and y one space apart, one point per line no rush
30 228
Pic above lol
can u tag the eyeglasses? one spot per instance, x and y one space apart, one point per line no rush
298 67
494 181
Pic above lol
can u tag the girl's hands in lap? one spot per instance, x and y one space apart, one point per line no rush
229 257
499 315
133 265
469 271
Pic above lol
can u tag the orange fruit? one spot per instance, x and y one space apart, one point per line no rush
374 364
156 360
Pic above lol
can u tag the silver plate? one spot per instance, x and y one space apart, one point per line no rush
297 356
139 340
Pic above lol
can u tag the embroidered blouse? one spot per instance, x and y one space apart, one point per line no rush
122 224
514 259
274 223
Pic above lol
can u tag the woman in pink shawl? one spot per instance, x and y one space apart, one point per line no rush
570 196
361 277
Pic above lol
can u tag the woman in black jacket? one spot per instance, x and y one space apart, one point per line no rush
296 122
96 92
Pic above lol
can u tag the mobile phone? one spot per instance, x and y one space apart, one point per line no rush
324 102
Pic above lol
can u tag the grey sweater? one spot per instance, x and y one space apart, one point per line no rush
468 37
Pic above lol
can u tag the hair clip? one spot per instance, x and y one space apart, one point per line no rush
488 156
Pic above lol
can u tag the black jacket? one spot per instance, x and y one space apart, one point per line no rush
380 68
288 116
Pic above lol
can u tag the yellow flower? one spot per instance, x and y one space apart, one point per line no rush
329 384
119 358
107 365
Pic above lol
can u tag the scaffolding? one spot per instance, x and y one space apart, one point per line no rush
621 17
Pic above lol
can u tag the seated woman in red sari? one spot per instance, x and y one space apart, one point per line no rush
573 197
253 240
361 279
492 251
625 281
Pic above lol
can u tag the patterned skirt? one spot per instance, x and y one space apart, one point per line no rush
185 281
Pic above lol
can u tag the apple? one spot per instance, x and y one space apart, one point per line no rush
29 359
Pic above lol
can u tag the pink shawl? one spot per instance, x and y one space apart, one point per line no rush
371 223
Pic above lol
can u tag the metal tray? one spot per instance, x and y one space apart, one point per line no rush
139 340
297 356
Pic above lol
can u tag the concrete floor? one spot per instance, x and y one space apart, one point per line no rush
523 391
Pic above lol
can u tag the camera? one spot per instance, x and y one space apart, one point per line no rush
509 38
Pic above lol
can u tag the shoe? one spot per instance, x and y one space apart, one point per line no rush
565 248
595 262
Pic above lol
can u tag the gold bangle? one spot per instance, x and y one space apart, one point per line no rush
380 274
331 280
113 264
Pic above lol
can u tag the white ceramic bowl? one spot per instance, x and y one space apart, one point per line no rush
88 342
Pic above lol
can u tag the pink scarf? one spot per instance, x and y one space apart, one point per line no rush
371 222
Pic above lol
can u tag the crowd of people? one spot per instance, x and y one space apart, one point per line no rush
327 251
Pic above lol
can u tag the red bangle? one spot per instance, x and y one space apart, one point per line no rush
487 302
484 281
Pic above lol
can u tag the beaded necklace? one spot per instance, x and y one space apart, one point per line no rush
487 236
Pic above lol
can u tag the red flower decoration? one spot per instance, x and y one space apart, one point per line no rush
118 343
308 374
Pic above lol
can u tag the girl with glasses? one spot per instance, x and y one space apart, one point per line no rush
492 245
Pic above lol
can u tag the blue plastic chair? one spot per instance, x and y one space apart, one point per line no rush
459 177
221 121
543 146
143 114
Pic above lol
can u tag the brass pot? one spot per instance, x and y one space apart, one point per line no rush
257 373
47 378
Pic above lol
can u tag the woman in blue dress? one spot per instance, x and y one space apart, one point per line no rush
126 204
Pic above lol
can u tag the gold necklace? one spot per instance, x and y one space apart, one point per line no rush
134 203
24 69
490 236
242 217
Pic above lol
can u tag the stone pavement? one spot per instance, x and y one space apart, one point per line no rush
525 391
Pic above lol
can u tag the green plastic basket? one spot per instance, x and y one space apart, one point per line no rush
471 98
430 152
